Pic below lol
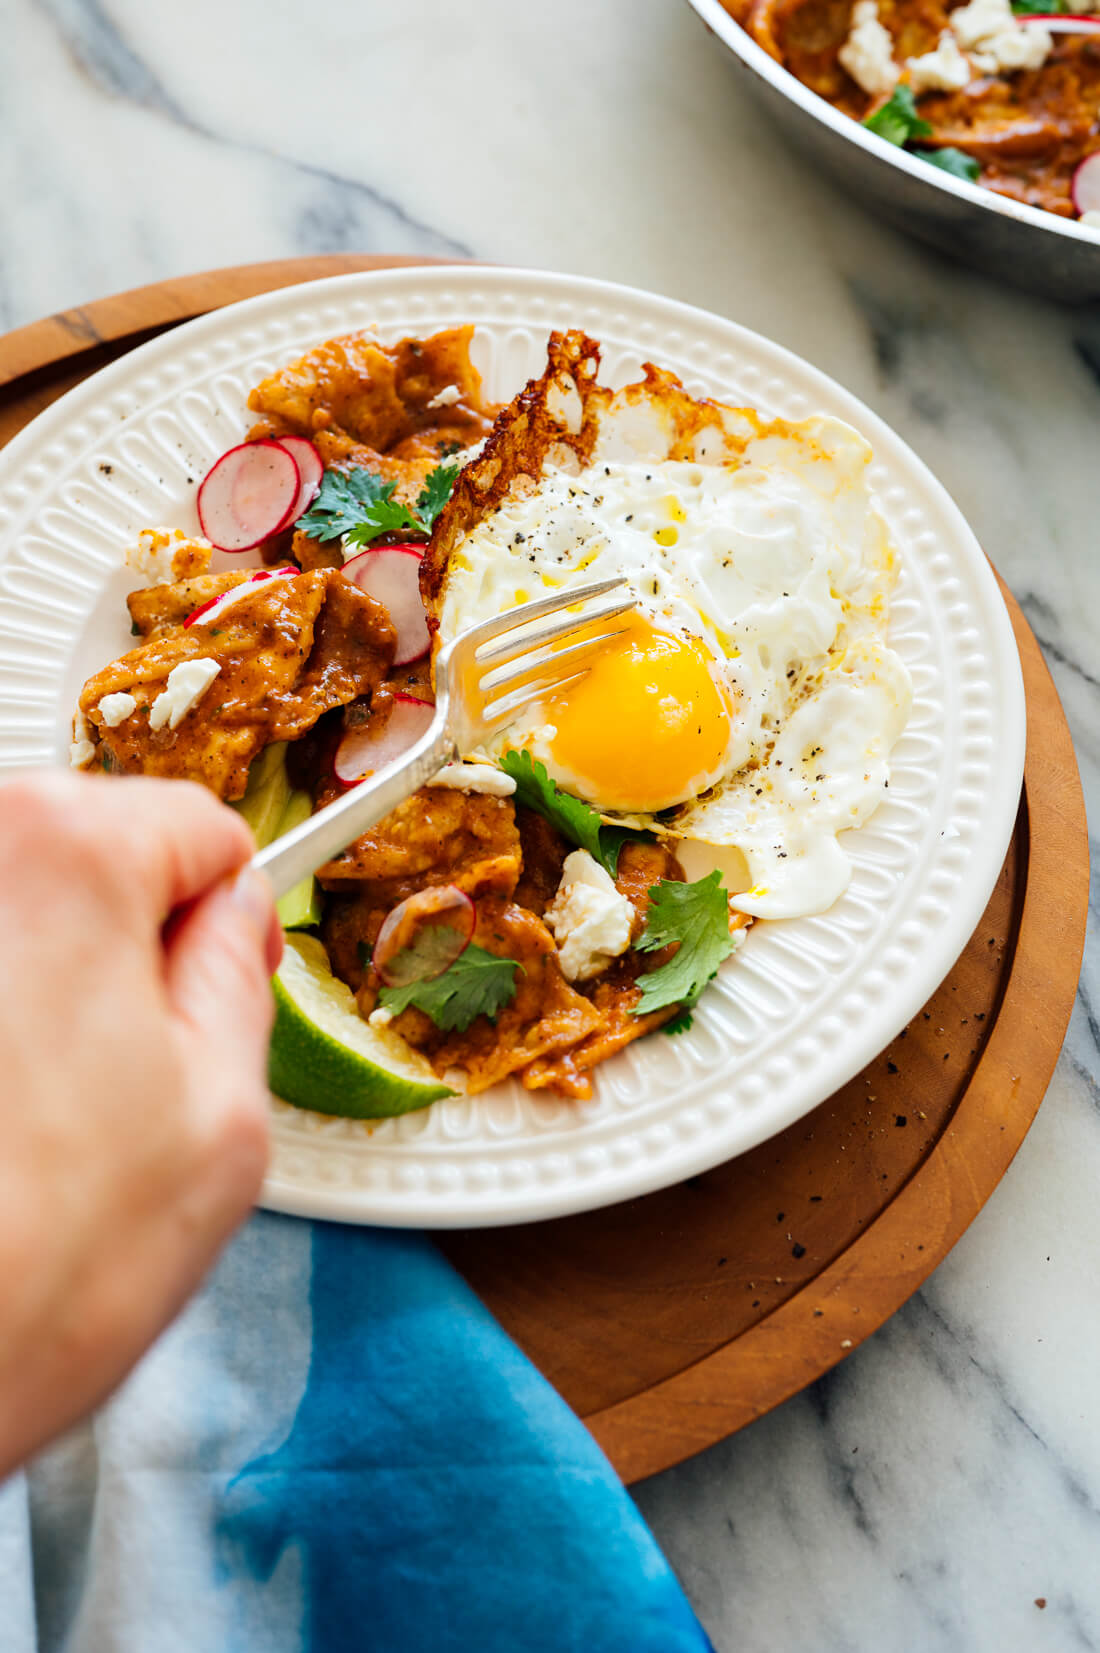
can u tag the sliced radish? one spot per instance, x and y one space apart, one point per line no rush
311 468
423 935
1058 23
248 495
391 573
370 747
214 607
1085 184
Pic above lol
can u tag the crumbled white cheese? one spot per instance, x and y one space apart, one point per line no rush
381 1017
153 554
81 751
868 52
475 777
589 919
114 707
973 23
157 553
447 397
187 683
996 41
944 70
1006 54
1091 220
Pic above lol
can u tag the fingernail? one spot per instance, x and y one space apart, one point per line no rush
251 893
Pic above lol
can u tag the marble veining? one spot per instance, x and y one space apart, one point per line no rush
945 1480
100 52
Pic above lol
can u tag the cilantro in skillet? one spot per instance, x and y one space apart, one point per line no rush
359 505
897 121
573 818
476 984
697 916
952 161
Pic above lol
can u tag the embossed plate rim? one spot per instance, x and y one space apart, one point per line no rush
552 1172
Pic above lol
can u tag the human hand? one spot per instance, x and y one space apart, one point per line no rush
133 1107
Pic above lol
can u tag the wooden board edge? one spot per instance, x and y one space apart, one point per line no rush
679 1417
69 334
832 1315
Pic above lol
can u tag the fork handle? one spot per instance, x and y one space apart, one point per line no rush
301 851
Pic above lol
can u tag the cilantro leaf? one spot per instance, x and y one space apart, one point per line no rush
612 839
574 819
698 917
344 499
359 506
385 516
1041 8
680 1023
476 984
953 161
435 494
897 121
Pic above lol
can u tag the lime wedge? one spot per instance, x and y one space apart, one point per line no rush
267 794
299 908
324 1056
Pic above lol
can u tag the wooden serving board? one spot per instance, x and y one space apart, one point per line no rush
669 1322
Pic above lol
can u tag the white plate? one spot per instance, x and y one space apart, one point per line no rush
807 1002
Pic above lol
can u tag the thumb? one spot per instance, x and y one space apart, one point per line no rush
220 955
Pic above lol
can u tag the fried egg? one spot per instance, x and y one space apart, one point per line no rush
748 704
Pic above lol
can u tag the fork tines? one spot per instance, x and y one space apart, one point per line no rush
539 609
527 649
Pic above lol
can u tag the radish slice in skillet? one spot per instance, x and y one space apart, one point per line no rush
391 573
423 935
1085 185
214 607
370 747
1057 23
248 495
311 469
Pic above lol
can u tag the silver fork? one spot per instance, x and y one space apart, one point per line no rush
478 689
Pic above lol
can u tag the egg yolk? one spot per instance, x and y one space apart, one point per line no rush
648 727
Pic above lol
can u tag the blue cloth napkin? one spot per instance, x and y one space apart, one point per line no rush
335 1448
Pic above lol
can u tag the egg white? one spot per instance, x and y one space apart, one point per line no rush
779 564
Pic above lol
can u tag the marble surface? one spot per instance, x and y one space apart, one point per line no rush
944 1481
